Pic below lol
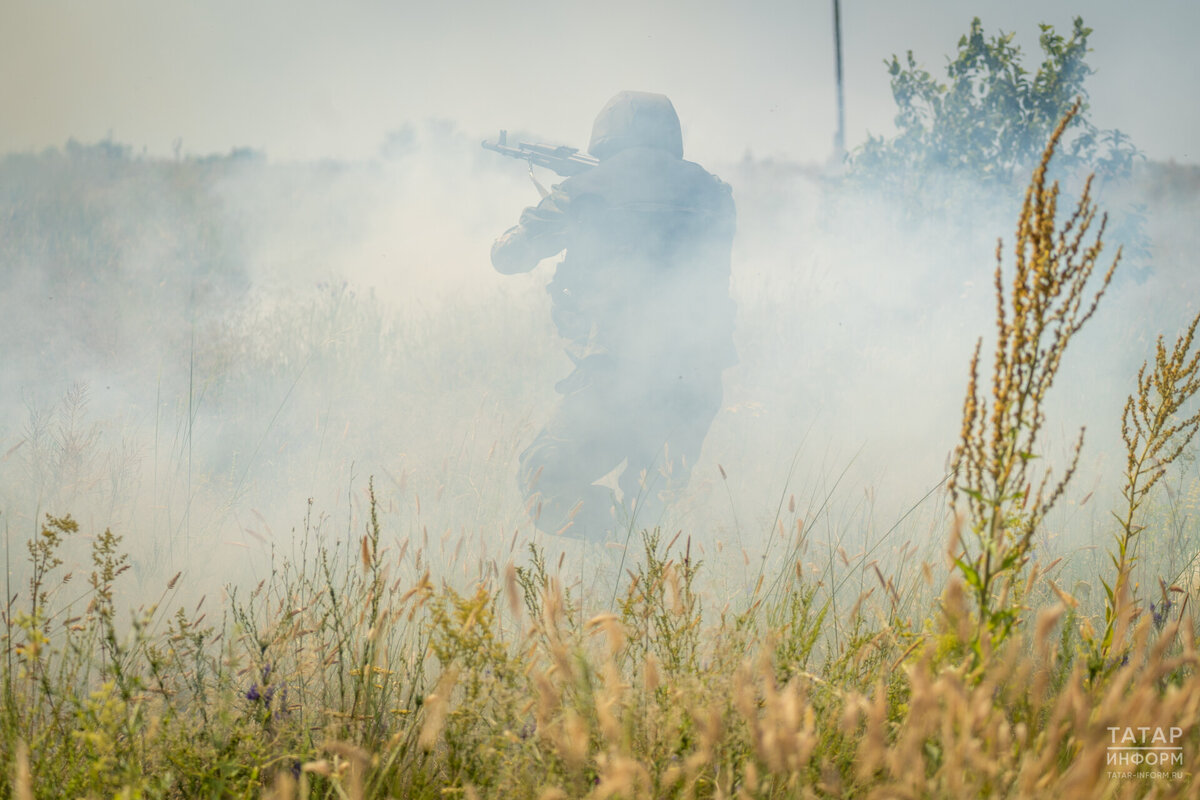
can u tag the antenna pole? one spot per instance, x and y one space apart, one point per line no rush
839 138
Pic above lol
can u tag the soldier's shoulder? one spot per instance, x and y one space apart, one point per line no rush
708 183
646 171
701 172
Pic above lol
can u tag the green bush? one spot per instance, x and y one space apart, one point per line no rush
989 121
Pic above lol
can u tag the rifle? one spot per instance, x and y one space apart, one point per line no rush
566 161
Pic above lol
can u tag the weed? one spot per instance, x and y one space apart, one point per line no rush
992 481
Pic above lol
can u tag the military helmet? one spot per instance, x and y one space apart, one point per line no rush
636 119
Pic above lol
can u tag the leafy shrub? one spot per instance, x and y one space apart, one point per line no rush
988 123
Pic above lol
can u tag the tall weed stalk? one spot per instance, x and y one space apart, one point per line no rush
1156 434
993 482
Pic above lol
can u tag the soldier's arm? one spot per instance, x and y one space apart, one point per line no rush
541 232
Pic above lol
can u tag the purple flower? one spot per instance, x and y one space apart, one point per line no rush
254 695
1159 617
265 692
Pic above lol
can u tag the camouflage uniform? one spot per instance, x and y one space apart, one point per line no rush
642 298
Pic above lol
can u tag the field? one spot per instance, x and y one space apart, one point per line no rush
263 535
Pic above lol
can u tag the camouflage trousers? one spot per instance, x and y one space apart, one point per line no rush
653 420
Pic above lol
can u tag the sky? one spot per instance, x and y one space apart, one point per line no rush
305 79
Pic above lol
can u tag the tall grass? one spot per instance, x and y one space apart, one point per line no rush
340 675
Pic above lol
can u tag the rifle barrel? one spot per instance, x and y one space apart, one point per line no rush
564 160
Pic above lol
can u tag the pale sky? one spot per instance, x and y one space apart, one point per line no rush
304 79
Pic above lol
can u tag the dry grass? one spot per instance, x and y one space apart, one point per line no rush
334 682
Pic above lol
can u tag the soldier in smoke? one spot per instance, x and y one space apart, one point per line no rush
642 298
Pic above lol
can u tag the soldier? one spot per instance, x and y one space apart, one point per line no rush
642 298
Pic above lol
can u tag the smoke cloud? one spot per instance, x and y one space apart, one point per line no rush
209 353
197 348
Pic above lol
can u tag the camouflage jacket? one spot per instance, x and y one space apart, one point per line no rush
646 273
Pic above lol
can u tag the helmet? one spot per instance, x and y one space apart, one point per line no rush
636 119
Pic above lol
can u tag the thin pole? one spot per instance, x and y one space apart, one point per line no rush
839 139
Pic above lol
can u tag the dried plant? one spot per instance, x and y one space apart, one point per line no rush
992 481
1155 436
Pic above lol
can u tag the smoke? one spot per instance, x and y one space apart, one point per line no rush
193 348
209 354
856 323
